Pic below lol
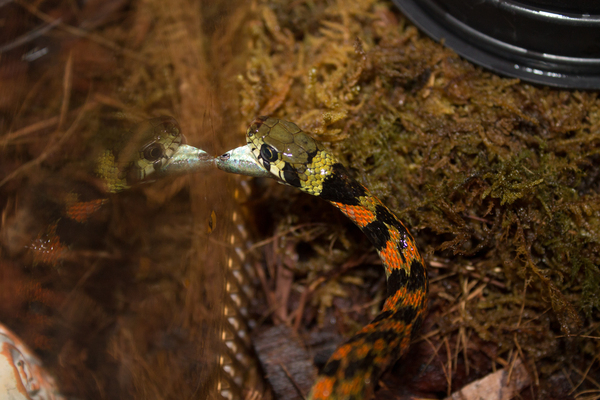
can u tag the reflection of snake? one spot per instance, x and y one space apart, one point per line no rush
64 206
138 155
294 158
146 152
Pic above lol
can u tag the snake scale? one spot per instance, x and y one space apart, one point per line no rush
292 157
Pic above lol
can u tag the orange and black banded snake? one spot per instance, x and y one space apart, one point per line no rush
281 150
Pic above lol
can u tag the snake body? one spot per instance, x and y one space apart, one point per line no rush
294 158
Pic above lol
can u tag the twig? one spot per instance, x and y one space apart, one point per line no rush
585 376
47 152
80 32
287 373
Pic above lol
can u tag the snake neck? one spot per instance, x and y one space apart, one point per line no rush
354 368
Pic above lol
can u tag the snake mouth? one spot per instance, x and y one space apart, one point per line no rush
186 159
242 161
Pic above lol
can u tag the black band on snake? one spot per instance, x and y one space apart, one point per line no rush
294 158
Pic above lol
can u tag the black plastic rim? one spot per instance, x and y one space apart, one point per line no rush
549 42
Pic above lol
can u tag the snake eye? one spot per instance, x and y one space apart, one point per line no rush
268 153
153 152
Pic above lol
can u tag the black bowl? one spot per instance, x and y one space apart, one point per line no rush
550 42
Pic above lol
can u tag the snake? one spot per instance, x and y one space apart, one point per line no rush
294 158
151 149
279 149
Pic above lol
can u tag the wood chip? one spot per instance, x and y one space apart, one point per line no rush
288 366
496 386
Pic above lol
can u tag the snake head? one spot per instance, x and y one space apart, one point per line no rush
150 146
289 154
152 149
281 150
